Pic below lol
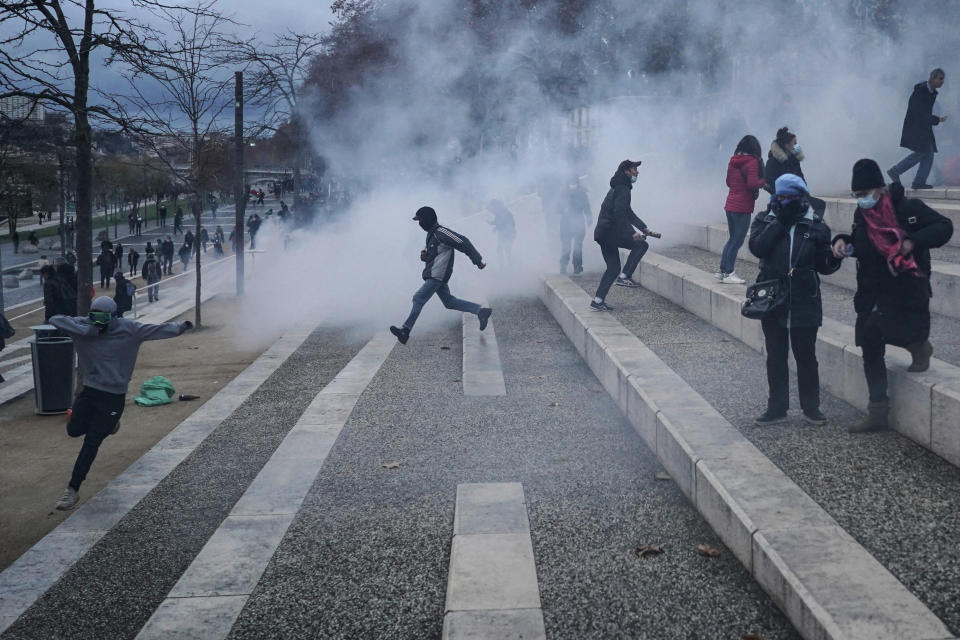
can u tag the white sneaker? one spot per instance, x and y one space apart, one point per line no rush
718 274
732 278
68 500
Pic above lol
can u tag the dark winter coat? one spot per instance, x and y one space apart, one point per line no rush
616 221
576 213
812 255
438 253
780 162
166 248
902 301
151 270
122 295
107 263
919 122
58 299
68 288
745 179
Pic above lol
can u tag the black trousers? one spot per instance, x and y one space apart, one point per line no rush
95 414
611 255
803 341
874 349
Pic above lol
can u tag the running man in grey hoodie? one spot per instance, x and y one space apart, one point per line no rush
107 349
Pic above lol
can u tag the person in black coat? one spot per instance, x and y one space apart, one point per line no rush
107 263
793 243
123 295
891 240
917 132
574 218
615 229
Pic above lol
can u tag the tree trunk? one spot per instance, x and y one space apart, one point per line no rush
84 218
198 213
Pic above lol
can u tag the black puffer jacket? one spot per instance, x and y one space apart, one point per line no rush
903 301
770 241
780 162
616 220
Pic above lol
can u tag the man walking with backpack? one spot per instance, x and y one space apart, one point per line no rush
438 255
151 275
107 349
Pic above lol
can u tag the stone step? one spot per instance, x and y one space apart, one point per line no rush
924 406
820 576
944 277
839 214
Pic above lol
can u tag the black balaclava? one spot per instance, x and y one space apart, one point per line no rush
426 217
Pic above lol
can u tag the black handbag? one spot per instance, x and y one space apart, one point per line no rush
764 298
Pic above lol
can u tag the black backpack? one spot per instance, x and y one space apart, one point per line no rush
151 270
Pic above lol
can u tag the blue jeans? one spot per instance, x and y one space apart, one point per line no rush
925 158
426 292
737 225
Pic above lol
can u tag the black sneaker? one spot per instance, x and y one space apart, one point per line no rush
600 306
626 282
815 417
402 333
770 417
484 315
918 187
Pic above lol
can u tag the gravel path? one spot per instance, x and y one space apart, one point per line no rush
897 499
368 554
115 588
837 301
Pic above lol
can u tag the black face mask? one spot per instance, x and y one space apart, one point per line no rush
425 224
793 209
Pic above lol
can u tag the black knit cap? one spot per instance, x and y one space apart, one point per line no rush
866 175
427 214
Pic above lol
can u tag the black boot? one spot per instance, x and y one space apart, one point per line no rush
920 352
875 420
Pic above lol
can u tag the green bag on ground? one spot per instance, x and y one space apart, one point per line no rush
155 391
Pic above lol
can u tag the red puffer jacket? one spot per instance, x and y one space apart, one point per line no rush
745 179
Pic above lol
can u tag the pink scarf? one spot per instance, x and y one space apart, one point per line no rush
887 237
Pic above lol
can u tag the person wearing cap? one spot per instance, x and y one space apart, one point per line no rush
107 349
438 254
793 245
891 240
615 230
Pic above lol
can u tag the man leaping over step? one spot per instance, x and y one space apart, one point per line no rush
107 349
438 255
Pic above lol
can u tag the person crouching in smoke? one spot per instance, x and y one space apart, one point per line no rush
438 254
107 349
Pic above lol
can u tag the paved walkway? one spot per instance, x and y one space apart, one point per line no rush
382 439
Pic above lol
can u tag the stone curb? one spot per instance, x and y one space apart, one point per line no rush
924 406
944 276
41 566
826 583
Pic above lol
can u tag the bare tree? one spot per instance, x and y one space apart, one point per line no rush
277 73
178 95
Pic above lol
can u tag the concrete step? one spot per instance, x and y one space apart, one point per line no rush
944 277
839 214
826 582
924 406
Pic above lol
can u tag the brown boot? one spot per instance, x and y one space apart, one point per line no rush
921 352
875 420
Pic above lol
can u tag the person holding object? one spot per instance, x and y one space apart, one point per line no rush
107 349
917 134
793 244
745 179
615 229
891 241
438 254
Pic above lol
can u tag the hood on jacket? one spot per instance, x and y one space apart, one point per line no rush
741 160
777 152
620 178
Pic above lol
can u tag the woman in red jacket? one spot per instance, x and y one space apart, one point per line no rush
745 179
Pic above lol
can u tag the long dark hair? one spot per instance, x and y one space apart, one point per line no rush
751 146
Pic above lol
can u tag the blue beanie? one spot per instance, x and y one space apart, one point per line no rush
791 185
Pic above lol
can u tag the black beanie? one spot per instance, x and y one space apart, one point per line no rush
866 175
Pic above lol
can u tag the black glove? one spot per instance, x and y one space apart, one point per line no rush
186 325
788 215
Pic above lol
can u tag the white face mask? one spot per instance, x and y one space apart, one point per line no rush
633 178
797 150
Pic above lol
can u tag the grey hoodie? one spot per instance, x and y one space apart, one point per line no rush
107 359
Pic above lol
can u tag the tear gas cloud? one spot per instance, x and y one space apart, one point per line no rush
833 77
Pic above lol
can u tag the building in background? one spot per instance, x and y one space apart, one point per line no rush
20 108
